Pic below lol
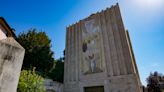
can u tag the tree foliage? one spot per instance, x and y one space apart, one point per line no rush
38 51
57 74
29 81
155 82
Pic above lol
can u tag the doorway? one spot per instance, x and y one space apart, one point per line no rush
94 89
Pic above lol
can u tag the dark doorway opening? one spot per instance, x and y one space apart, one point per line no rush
94 89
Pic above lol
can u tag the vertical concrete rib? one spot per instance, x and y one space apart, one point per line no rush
126 48
80 48
112 43
76 52
107 51
132 55
73 52
69 55
66 57
119 43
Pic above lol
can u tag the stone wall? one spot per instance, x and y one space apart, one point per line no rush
11 58
53 86
2 34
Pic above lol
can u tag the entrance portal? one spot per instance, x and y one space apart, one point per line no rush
94 89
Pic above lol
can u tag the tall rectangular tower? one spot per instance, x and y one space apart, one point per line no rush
99 56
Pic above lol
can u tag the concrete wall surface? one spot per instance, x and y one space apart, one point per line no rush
11 59
2 34
53 86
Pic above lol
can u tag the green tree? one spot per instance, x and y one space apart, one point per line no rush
155 82
38 51
57 73
29 81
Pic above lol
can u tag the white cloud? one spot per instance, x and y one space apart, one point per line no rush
152 6
155 65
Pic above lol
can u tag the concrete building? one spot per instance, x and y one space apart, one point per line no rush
11 58
99 55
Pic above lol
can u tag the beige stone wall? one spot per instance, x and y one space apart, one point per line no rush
2 34
119 71
53 86
11 58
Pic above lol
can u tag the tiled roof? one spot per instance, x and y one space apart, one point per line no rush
10 31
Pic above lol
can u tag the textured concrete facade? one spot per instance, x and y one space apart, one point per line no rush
11 58
2 33
53 86
99 53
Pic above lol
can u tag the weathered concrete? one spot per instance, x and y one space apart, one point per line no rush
53 86
99 53
11 58
2 34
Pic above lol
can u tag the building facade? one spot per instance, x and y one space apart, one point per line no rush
11 58
99 56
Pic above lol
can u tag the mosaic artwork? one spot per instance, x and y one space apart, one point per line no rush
91 48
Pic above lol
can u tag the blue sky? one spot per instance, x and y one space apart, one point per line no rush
143 18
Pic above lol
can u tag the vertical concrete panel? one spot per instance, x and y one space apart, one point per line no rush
106 47
132 54
134 62
80 50
72 53
69 56
103 65
112 43
66 58
77 50
11 58
118 45
117 41
126 50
